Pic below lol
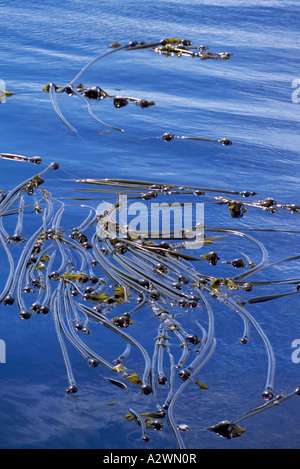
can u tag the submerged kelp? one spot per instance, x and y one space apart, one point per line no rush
111 272
167 47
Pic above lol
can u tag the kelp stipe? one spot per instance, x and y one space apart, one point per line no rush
14 157
52 93
168 137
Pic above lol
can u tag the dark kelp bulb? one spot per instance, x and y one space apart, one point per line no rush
35 160
162 379
54 165
9 300
193 339
87 245
93 362
144 283
225 141
167 137
160 268
54 275
183 280
193 303
146 389
198 192
157 425
164 245
267 394
72 389
120 102
243 340
149 195
184 374
154 294
227 429
183 303
247 286
92 93
17 238
238 263
212 257
24 314
94 280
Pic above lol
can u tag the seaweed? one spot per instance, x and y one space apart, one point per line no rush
102 272
167 47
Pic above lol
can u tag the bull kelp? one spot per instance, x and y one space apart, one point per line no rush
109 274
167 47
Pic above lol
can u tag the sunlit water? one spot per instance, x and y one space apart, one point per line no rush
247 99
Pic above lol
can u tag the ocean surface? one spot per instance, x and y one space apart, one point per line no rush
252 100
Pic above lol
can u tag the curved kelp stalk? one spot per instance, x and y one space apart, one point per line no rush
52 93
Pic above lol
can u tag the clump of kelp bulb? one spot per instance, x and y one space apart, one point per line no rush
96 93
179 48
170 46
101 272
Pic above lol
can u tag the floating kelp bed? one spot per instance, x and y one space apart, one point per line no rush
103 272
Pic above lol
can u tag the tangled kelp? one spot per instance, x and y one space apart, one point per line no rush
108 273
167 47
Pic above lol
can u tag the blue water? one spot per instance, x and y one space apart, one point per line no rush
247 99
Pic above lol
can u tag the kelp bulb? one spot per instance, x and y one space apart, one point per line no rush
146 389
